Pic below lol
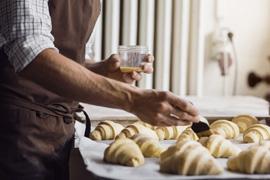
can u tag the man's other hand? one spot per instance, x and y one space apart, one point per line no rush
111 68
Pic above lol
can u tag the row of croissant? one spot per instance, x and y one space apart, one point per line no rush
253 132
190 155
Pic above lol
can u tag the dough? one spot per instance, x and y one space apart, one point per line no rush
169 132
150 147
219 147
254 160
225 128
188 134
244 121
106 130
124 152
256 133
145 124
206 133
189 158
137 128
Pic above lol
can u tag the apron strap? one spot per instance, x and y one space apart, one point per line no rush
88 125
87 120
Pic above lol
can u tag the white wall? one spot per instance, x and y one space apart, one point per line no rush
250 22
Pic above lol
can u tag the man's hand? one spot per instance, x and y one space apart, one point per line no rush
164 109
111 68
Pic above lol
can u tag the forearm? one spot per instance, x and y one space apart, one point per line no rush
71 80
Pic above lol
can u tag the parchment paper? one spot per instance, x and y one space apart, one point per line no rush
92 153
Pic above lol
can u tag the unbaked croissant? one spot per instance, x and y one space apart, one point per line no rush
150 147
145 124
219 147
254 160
206 133
189 158
188 134
136 128
124 152
244 121
256 133
169 132
225 128
106 130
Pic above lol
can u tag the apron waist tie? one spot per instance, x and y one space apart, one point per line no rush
88 124
57 109
87 120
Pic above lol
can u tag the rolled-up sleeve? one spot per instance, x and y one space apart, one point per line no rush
25 28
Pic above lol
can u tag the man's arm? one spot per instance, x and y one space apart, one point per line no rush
71 80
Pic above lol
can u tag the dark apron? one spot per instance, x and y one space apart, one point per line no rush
37 126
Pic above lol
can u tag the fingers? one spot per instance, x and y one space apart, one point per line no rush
149 58
147 64
147 68
131 77
184 116
172 121
165 109
128 78
177 108
183 105
113 63
136 76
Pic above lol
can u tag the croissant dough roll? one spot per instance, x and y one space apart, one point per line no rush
206 133
254 160
169 132
150 147
136 128
225 128
147 125
244 121
106 130
219 147
189 158
256 133
188 134
124 152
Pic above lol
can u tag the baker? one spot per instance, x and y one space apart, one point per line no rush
43 74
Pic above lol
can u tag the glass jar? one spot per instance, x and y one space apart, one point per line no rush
132 58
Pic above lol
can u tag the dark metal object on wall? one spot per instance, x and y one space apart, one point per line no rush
254 79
